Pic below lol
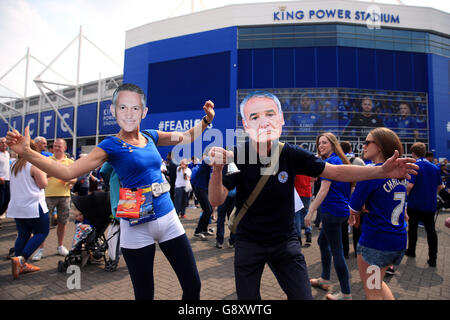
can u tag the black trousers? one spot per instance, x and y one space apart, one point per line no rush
202 197
284 259
428 220
178 252
4 197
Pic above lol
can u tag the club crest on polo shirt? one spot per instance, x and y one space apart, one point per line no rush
283 176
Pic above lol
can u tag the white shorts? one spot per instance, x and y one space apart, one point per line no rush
160 230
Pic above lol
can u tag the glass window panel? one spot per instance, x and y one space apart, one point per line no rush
325 27
305 41
304 28
245 31
345 28
365 43
346 42
287 29
283 42
291 35
263 43
385 44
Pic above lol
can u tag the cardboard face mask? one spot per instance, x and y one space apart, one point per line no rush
128 110
263 122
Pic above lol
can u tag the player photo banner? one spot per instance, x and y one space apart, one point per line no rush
350 114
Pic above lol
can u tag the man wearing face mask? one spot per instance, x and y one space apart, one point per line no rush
265 234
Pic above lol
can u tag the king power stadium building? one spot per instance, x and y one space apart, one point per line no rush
340 66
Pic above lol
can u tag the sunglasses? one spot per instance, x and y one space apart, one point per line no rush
367 142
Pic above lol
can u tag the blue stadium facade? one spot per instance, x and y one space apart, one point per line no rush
335 63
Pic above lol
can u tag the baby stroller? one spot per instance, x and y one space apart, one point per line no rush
96 208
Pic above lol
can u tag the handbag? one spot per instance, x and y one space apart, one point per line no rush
188 187
234 218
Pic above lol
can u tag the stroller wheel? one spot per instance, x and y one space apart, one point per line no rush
110 266
61 266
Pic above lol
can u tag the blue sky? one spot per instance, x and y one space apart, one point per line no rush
48 26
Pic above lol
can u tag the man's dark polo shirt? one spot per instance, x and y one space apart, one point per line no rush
270 218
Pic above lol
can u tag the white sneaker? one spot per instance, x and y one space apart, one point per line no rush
62 251
38 255
200 236
339 296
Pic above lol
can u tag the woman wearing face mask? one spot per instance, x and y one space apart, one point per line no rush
333 197
137 162
383 235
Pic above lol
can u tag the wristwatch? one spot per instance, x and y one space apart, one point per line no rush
206 120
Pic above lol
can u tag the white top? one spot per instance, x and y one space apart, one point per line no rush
298 203
4 165
180 181
25 196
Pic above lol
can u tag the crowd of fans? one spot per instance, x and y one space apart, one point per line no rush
337 203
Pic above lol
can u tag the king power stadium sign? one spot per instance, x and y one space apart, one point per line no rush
372 15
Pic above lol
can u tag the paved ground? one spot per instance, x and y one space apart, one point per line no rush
413 280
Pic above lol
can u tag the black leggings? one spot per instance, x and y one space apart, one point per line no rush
178 252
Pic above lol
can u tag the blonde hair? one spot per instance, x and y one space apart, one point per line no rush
21 162
335 143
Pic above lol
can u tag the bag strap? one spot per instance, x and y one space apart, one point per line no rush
259 186
147 134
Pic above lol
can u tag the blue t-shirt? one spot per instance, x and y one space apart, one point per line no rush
138 167
307 123
384 227
336 201
423 196
406 127
200 176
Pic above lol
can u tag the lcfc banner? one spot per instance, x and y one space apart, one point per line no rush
31 121
3 128
47 124
62 130
16 123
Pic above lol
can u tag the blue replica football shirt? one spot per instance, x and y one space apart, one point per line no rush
336 201
406 127
307 123
200 175
138 167
384 227
423 196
